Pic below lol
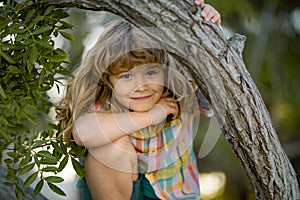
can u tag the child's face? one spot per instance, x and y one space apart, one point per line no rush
139 88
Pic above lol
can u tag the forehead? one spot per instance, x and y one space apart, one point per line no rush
136 58
145 67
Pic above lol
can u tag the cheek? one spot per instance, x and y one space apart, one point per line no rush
122 91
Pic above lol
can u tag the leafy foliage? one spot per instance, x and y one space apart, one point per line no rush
29 63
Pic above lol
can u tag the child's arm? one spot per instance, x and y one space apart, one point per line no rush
101 128
209 13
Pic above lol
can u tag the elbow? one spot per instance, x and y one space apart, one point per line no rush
86 132
76 137
83 133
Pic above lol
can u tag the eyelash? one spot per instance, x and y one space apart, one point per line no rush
148 73
124 76
151 73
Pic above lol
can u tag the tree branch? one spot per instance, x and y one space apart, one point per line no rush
218 69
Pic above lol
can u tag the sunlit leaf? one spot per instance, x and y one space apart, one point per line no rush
66 35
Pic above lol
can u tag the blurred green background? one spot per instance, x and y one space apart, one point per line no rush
272 56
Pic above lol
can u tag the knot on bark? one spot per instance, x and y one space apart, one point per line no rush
237 42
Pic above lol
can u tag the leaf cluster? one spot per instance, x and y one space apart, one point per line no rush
29 65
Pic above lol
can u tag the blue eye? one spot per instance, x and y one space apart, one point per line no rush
151 73
126 76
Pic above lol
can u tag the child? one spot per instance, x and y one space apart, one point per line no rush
132 106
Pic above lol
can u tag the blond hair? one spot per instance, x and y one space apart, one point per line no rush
120 47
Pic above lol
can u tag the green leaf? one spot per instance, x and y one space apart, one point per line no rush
57 147
4 121
49 169
34 53
65 25
49 161
8 58
11 154
55 58
35 20
49 10
30 15
8 160
39 143
22 37
13 69
4 23
26 169
45 154
42 30
30 179
8 184
66 35
43 44
64 72
63 163
56 189
78 167
38 187
42 76
2 93
59 14
26 159
63 146
30 110
4 135
54 179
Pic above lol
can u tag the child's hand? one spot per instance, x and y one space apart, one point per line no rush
209 13
164 107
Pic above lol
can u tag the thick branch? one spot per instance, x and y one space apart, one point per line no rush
218 69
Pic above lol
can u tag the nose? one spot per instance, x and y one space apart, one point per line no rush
141 84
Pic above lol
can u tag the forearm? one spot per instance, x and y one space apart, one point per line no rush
101 128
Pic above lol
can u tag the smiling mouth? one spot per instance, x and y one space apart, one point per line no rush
141 98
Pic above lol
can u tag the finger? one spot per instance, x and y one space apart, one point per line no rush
199 3
175 112
207 12
171 99
166 94
173 106
216 19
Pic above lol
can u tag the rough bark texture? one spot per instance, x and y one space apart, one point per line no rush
218 69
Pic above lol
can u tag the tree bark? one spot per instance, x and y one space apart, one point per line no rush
217 66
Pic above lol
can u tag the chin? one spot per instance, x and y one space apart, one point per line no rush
141 109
